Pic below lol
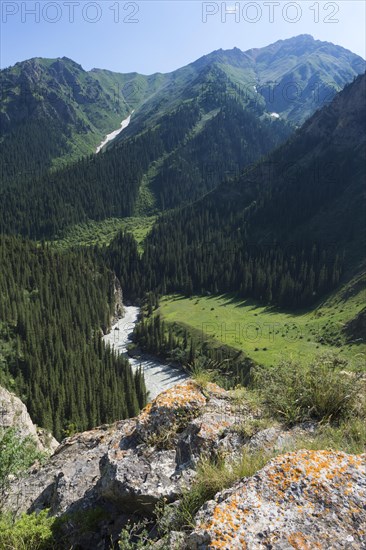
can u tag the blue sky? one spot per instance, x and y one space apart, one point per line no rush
150 36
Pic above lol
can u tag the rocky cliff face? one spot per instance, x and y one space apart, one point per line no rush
118 301
302 500
13 413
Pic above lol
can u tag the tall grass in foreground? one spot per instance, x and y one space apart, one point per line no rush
323 390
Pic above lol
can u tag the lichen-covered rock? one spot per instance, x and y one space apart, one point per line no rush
67 478
300 500
171 408
155 460
14 414
132 463
303 500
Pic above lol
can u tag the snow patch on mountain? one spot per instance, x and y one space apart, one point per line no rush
114 134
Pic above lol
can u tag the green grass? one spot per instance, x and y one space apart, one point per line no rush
101 233
268 335
323 390
211 477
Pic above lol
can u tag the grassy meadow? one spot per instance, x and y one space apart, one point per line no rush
267 334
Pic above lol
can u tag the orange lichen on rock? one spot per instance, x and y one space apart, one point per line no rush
307 499
300 542
182 396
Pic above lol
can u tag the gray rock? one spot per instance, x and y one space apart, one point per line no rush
69 476
305 499
14 414
301 499
156 459
118 301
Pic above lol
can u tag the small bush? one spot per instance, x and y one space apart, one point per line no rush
245 398
135 537
348 436
16 455
204 370
202 377
29 532
320 391
250 426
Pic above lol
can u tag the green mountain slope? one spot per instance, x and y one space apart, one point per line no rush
299 75
282 84
292 77
190 130
52 111
52 307
286 229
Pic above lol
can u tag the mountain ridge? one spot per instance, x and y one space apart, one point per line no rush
60 112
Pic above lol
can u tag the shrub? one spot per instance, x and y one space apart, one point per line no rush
29 532
204 370
250 426
16 455
348 436
135 537
320 391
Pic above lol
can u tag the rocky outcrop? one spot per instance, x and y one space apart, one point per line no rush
132 463
68 477
14 414
303 500
118 301
147 464
126 468
355 329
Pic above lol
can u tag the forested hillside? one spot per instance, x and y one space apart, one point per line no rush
217 244
52 112
280 232
190 130
281 227
97 187
52 308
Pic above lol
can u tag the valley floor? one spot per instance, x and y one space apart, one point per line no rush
267 334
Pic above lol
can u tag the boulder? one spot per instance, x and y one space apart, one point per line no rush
14 414
149 464
66 481
303 500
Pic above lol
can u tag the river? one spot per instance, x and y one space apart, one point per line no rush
158 376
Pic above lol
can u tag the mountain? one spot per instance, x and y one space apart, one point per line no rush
284 230
281 85
299 75
190 130
52 111
292 77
